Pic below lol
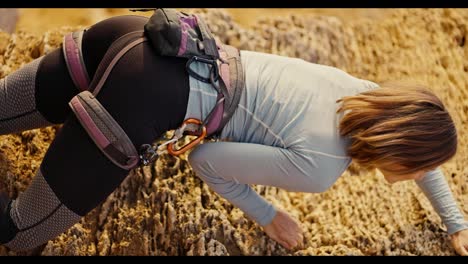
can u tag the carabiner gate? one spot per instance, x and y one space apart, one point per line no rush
200 136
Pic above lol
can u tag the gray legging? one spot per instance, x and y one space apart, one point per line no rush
141 85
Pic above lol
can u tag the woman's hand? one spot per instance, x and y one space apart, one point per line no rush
285 230
460 242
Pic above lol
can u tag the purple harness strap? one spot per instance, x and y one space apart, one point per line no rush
232 77
74 59
114 142
109 137
88 123
216 115
215 121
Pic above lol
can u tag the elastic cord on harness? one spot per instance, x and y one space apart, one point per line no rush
214 70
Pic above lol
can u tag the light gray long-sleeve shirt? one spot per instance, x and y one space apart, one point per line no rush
284 133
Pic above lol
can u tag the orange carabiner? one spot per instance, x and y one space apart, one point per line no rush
191 144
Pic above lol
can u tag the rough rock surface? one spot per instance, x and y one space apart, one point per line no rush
165 209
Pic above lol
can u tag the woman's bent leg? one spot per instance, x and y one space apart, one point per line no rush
147 95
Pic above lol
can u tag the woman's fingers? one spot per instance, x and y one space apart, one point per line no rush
463 250
276 236
292 233
285 244
300 243
292 239
460 242
282 238
285 230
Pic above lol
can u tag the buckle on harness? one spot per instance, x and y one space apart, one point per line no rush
181 133
148 154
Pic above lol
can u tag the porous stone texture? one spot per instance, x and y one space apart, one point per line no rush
164 209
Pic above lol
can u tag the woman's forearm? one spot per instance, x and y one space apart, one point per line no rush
436 189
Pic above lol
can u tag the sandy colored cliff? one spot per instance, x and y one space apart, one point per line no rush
165 209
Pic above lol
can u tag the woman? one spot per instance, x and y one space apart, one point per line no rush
288 131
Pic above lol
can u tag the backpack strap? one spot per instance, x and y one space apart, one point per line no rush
72 52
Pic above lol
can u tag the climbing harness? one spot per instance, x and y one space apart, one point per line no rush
190 39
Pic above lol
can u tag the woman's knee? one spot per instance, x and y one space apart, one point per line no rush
202 166
196 158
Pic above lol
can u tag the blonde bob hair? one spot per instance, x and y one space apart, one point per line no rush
398 124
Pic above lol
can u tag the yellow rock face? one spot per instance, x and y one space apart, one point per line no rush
165 209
